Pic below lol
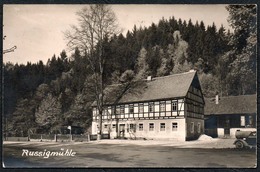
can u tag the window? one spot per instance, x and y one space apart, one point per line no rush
162 106
151 126
141 108
105 126
114 126
242 121
174 106
141 127
174 126
199 128
162 127
151 107
118 110
132 127
122 109
131 108
192 127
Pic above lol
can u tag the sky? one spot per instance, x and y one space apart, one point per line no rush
38 30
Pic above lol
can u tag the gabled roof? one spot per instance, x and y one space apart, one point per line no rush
170 86
243 104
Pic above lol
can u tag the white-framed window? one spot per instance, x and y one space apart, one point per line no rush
141 108
151 107
199 128
114 126
105 126
174 106
131 108
162 126
122 109
192 127
118 110
141 127
174 126
162 106
151 126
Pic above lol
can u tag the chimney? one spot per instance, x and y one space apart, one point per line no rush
217 99
149 78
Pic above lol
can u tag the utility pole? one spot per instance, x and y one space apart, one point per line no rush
8 50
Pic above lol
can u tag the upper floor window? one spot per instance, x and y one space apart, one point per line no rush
131 108
174 106
122 109
118 110
141 108
162 106
151 107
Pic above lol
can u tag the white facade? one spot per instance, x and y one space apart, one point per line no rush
150 120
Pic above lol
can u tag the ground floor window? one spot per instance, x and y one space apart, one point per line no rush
151 126
114 126
174 126
105 126
199 128
162 127
141 127
192 127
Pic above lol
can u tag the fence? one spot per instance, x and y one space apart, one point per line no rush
57 137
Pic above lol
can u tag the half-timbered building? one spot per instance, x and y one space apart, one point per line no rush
169 107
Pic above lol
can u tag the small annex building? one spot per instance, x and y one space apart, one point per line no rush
225 115
169 107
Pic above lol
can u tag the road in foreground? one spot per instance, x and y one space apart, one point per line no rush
93 154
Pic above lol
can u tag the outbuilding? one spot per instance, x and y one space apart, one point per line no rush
225 115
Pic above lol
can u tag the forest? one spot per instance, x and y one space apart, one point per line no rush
40 98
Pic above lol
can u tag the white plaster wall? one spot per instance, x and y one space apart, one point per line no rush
220 132
180 134
157 134
94 128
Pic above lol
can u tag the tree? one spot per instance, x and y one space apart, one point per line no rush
180 54
96 23
23 119
142 68
48 114
242 69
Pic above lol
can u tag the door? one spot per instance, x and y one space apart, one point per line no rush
121 130
227 127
